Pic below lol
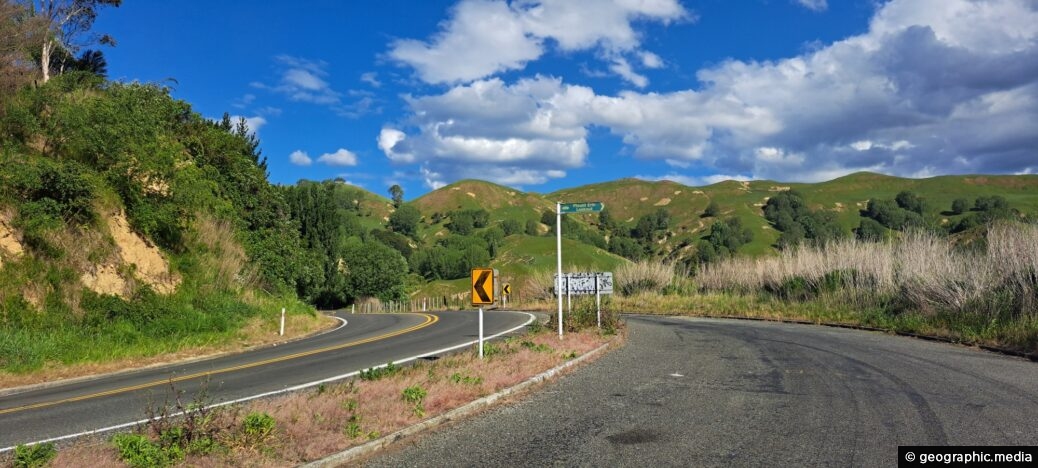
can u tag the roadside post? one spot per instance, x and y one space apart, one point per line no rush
282 321
598 302
483 287
560 209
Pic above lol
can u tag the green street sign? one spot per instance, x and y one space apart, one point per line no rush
585 207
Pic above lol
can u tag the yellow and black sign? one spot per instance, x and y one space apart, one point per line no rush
482 286
507 290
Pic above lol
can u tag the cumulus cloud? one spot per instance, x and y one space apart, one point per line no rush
486 37
305 80
933 86
342 157
300 158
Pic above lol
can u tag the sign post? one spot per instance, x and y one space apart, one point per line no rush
483 287
560 209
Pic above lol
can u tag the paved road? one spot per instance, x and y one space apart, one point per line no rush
702 392
366 341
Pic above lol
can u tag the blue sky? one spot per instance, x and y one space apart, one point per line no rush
547 94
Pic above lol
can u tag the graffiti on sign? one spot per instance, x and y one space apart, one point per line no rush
586 283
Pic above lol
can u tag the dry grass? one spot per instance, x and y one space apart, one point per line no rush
646 275
922 269
256 332
332 418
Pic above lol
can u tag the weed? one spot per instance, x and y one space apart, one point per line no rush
465 379
34 456
491 349
540 348
350 405
352 430
138 451
376 373
257 429
415 395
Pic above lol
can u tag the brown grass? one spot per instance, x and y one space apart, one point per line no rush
312 424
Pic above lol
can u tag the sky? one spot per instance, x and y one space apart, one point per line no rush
542 95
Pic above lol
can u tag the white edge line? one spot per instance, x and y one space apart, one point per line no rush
275 392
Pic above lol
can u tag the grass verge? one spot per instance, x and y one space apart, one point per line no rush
305 426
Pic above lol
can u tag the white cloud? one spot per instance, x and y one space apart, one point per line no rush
486 37
371 78
934 86
696 181
300 158
815 5
621 67
253 124
342 157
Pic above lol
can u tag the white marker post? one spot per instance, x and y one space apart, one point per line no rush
558 251
282 321
481 333
598 301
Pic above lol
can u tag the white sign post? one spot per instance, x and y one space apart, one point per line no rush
282 321
558 252
481 333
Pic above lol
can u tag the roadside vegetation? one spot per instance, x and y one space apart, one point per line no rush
311 424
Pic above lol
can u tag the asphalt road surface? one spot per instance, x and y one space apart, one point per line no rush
365 341
703 392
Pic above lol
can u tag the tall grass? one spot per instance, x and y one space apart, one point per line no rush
644 276
923 271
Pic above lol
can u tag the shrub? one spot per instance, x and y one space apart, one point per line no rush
376 373
34 456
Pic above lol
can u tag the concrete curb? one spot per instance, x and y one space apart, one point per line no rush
460 412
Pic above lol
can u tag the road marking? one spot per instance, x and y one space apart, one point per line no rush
429 320
275 392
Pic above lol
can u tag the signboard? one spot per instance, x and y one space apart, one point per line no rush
585 207
482 286
587 283
507 290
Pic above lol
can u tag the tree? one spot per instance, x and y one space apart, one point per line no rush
511 226
405 220
870 230
910 201
960 206
65 22
532 228
712 210
398 195
19 33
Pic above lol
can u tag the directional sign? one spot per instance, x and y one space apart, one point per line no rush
585 207
587 283
507 290
482 286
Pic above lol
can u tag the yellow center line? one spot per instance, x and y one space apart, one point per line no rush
429 320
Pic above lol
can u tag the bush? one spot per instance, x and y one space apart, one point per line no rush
34 456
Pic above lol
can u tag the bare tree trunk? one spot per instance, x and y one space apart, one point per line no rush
45 59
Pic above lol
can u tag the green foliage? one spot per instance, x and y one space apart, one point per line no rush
257 428
463 222
139 452
626 247
373 270
465 379
540 348
712 210
531 228
398 242
511 226
452 257
415 395
34 456
397 194
405 220
376 373
723 240
960 206
789 213
870 230
910 201
651 224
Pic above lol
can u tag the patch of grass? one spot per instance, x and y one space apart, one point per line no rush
34 456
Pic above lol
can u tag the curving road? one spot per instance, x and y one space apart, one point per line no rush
55 411
704 392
